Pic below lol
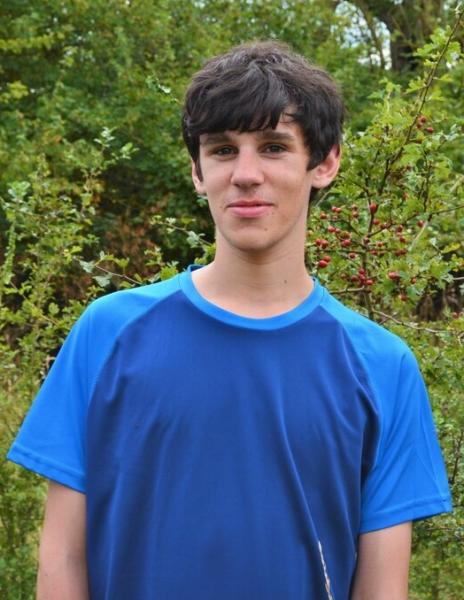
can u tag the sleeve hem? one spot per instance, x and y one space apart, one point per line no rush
409 513
46 468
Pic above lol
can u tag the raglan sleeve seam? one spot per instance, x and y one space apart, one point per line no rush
425 501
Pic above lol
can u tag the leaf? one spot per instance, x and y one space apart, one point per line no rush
87 266
103 280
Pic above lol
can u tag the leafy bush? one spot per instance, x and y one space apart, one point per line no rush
387 239
47 230
96 195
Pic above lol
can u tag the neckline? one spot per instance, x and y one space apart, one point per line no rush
266 323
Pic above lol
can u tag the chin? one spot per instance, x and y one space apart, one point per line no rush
253 246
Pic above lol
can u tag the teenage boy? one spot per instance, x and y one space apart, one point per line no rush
235 433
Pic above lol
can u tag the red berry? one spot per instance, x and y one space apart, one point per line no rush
369 282
324 243
420 223
376 221
422 119
331 229
352 255
354 278
323 215
373 207
327 258
346 243
393 275
322 264
429 129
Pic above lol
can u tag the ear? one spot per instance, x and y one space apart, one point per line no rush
326 171
197 182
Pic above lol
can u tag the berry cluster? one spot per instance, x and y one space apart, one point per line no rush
361 238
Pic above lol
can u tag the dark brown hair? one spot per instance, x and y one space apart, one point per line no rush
251 86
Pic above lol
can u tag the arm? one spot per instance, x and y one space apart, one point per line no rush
62 562
383 564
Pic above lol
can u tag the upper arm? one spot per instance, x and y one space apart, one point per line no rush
407 479
62 555
65 514
383 564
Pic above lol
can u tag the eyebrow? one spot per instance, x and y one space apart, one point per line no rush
266 134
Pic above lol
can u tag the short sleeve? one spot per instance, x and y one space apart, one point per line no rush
51 439
408 480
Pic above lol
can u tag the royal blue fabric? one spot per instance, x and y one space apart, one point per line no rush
229 457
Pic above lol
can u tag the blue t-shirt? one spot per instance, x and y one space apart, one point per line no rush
231 457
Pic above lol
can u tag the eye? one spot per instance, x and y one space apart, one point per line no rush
274 148
223 151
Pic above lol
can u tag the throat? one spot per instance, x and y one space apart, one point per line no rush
253 298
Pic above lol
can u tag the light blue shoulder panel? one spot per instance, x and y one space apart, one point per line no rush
408 480
51 441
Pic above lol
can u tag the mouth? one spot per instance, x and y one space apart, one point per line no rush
249 208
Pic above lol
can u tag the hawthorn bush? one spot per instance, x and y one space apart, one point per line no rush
95 196
387 239
42 292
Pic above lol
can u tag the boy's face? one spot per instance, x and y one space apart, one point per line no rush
257 185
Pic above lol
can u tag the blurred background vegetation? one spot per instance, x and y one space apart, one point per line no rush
96 195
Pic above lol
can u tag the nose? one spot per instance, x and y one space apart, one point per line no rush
247 169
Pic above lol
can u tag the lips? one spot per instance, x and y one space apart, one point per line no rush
250 209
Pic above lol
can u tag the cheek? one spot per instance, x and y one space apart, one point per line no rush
216 192
296 191
209 181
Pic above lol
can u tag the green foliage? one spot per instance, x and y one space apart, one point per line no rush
387 239
69 69
47 229
96 195
44 234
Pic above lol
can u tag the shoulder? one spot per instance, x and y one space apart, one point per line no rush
113 312
102 325
388 364
375 345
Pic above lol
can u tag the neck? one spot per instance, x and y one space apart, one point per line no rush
255 285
